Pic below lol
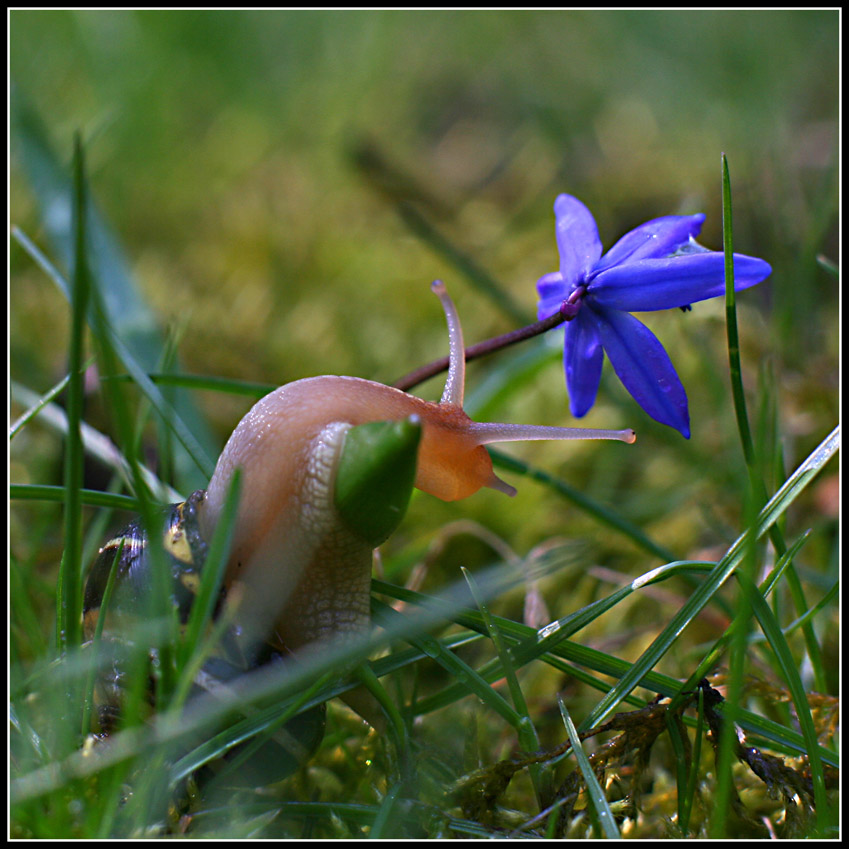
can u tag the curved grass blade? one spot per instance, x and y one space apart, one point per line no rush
555 647
27 416
775 636
96 444
776 506
597 798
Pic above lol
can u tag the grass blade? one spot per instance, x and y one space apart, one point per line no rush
756 482
597 798
69 597
776 506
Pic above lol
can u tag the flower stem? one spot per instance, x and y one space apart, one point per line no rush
566 313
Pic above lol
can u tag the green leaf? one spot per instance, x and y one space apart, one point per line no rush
375 477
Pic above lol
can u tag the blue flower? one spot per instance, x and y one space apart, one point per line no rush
656 266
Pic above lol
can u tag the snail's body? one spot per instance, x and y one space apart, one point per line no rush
300 563
287 447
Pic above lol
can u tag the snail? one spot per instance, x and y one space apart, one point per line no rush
305 569
303 541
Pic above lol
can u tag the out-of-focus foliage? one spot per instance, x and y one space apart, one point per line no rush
223 149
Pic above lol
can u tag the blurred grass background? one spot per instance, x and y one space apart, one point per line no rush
254 164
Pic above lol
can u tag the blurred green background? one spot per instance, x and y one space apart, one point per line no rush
254 164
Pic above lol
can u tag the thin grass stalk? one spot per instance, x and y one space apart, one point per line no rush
69 598
682 754
755 479
89 497
602 514
724 787
685 806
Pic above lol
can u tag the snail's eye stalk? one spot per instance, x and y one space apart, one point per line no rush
456 381
487 432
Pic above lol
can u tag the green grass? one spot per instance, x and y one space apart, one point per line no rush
285 186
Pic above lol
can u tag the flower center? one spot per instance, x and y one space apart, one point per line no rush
570 307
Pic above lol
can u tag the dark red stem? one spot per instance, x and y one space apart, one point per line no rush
568 310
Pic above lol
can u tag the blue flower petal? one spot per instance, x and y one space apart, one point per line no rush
577 240
652 240
552 293
644 368
659 284
583 356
